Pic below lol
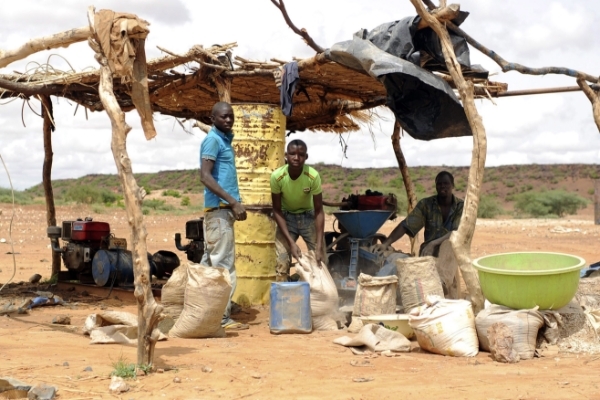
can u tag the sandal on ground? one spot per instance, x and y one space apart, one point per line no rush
235 326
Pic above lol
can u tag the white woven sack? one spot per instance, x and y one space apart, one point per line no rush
524 325
418 278
173 292
324 301
445 327
206 296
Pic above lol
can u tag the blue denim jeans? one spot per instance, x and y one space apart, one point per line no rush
298 225
219 247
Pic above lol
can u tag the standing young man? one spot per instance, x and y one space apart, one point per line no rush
222 203
297 208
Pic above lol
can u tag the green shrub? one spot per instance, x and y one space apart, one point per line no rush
526 188
509 184
553 202
460 185
126 370
591 191
22 198
172 193
488 207
397 182
156 204
374 180
185 201
86 194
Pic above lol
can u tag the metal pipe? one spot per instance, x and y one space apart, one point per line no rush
55 246
544 91
178 243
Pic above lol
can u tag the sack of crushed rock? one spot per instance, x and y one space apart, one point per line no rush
445 327
418 278
173 292
206 296
375 295
324 301
524 325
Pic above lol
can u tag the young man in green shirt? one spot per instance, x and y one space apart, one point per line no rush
297 208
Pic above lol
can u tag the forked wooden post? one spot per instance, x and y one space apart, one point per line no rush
461 238
597 202
149 311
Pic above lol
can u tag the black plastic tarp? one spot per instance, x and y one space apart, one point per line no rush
424 104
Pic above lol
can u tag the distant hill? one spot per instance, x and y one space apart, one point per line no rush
501 182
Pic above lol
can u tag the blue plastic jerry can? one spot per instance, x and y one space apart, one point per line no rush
290 308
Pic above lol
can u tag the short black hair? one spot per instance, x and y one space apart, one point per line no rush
297 143
219 106
446 173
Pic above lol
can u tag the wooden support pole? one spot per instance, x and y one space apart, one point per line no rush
411 197
597 202
223 86
461 239
48 128
149 311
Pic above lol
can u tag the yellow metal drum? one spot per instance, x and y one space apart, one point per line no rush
254 258
259 149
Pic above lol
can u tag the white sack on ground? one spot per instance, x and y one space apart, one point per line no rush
375 295
206 296
113 327
524 325
173 292
445 327
418 278
324 301
376 338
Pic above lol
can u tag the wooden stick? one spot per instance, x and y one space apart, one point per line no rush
443 14
202 126
408 183
149 311
302 32
49 127
510 66
592 97
461 238
62 39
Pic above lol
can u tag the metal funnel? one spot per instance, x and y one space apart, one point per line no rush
362 224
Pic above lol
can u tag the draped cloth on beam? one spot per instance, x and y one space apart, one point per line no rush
122 39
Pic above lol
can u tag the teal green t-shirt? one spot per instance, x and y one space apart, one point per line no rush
296 195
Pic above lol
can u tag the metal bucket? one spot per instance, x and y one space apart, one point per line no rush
259 150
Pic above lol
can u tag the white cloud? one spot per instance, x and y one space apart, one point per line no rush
543 129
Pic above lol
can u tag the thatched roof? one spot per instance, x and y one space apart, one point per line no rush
329 97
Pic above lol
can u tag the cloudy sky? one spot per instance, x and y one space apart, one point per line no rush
544 129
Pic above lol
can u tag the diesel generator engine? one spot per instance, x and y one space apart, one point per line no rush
82 239
194 232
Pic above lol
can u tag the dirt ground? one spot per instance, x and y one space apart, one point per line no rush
254 364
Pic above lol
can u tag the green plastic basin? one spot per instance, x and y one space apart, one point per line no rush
528 279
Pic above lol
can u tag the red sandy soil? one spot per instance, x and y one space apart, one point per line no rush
255 364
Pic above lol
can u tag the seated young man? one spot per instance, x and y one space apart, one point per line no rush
297 208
